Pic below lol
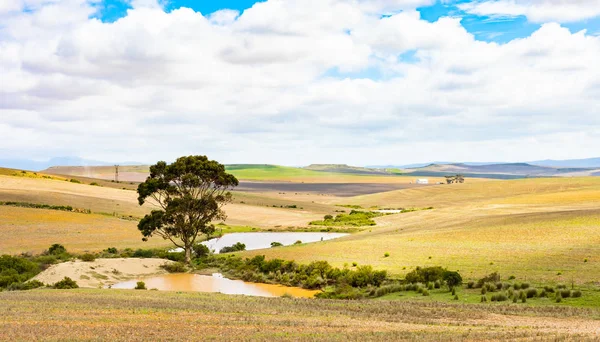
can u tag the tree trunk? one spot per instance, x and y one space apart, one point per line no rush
188 254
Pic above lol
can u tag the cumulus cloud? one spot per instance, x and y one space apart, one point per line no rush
539 11
291 82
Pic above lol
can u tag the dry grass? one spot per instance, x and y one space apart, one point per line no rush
34 230
520 228
147 315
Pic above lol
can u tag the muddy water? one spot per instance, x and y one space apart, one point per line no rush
214 283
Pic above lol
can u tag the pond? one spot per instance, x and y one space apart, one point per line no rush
263 240
215 283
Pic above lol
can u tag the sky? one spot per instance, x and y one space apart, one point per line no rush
295 82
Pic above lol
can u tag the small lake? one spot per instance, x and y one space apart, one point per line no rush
263 240
215 283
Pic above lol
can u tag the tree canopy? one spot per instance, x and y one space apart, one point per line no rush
190 193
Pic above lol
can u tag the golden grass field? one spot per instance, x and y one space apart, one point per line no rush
102 315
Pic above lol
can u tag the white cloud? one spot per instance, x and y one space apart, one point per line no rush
539 11
291 82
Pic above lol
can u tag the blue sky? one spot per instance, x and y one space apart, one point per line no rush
484 28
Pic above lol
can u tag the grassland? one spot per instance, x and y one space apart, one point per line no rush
149 315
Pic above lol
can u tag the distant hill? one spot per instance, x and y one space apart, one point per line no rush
343 168
575 163
508 170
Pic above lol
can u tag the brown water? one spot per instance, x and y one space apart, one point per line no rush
215 283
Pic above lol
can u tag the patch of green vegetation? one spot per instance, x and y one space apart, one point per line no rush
355 218
351 206
336 283
38 206
66 283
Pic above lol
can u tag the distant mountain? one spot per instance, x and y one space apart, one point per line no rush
578 163
419 165
34 165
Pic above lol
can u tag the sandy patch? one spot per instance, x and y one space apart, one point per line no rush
102 272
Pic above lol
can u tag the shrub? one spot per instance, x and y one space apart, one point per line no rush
112 250
430 286
525 286
88 257
237 247
354 264
16 270
298 242
561 286
484 290
456 297
328 217
94 184
492 277
437 284
452 278
66 283
558 297
386 254
143 253
176 267
500 297
531 293
576 294
549 289
30 285
517 286
470 284
276 244
565 293
499 286
140 285
425 292
57 249
426 274
201 251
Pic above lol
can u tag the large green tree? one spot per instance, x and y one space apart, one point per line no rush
190 193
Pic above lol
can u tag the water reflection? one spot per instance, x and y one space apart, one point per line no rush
215 283
263 240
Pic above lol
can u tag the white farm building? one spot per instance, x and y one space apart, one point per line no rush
423 181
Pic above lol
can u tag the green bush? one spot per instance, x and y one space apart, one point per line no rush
490 278
140 285
386 254
531 293
452 278
88 257
112 250
57 249
500 297
237 247
74 181
470 284
16 270
565 293
525 286
176 267
576 294
328 217
298 242
30 285
201 251
143 253
66 283
276 244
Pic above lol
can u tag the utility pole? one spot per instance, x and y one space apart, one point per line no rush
116 173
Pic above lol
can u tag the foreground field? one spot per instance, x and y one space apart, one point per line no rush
149 315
